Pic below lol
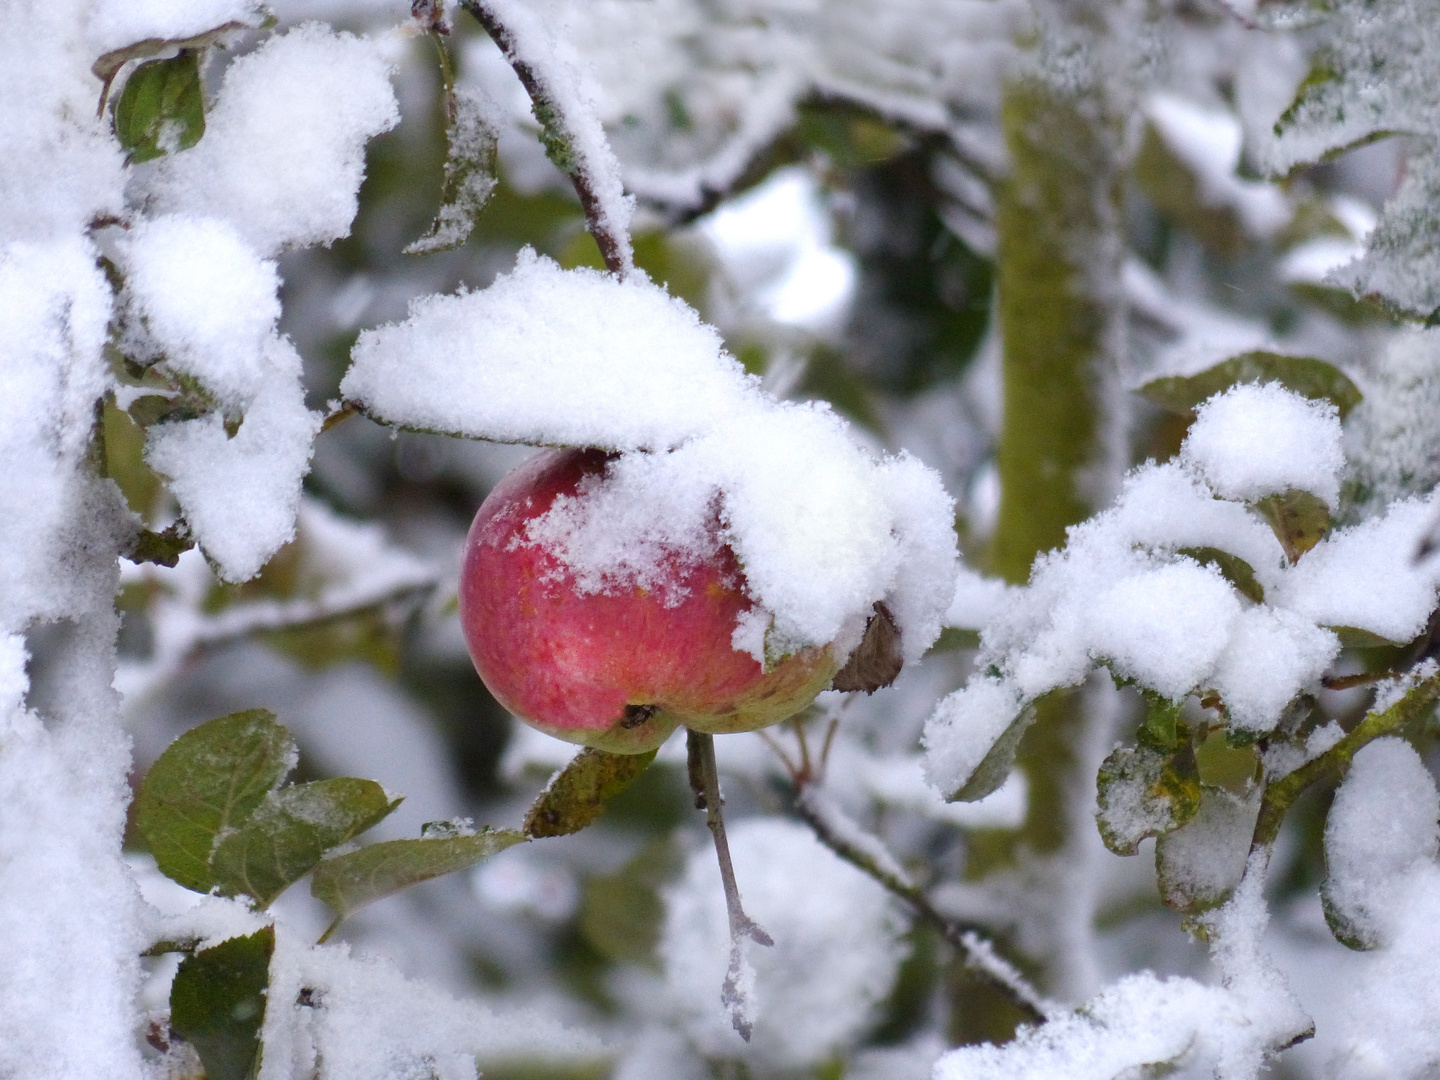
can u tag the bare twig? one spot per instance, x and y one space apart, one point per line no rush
705 782
1280 794
613 241
979 953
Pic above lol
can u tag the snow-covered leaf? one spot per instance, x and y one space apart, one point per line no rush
1198 865
470 139
1305 375
1145 791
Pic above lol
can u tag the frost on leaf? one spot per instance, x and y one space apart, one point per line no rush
1145 791
470 141
1199 864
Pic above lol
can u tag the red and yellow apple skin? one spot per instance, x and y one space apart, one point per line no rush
618 671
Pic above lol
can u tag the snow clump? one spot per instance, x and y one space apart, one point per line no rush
822 528
280 165
1182 586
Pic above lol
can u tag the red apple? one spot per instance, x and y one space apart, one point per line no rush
615 670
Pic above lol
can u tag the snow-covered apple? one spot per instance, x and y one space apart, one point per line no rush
617 667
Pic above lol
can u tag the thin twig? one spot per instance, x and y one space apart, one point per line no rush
614 249
1280 794
705 782
979 953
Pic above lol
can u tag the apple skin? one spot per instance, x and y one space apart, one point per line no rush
617 671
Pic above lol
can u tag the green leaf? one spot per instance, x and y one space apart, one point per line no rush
215 817
577 794
1299 519
349 882
162 107
995 767
1145 792
469 174
1198 865
217 1004
290 832
1353 637
1162 729
1231 567
1305 375
208 781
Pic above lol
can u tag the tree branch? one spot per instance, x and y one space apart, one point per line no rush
564 141
1332 765
979 953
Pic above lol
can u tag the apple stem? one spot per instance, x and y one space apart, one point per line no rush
705 783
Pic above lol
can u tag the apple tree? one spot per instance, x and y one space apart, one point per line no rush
952 590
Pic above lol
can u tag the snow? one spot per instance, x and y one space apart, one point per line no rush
1252 441
964 727
118 23
1393 449
821 527
1165 627
284 148
837 947
372 1021
1366 576
544 355
240 494
1272 654
1124 592
1381 831
207 299
978 599
1143 1021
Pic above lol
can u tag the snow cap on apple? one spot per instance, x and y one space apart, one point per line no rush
706 556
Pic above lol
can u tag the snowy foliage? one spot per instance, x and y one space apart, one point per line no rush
202 215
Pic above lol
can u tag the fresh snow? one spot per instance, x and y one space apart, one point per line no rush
1124 591
284 147
821 527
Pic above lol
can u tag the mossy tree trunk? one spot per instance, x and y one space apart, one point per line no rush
1061 450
